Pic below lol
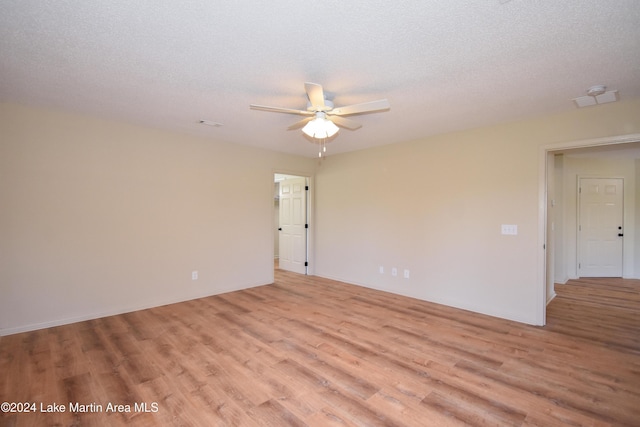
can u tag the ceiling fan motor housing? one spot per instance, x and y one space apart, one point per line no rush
328 106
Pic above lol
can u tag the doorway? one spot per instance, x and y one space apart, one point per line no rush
291 223
547 227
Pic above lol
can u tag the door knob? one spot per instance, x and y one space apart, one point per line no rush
620 234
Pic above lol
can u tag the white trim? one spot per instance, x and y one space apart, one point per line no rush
541 314
595 142
115 312
515 316
552 297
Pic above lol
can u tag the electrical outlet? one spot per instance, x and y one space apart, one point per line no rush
194 275
381 269
394 272
406 273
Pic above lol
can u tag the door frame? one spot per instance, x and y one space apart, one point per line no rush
543 222
579 241
310 216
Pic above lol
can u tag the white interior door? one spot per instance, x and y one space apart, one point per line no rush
600 231
293 222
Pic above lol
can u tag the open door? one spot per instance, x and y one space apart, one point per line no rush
292 230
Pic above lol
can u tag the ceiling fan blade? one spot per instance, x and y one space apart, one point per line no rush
315 94
281 110
346 123
365 107
301 123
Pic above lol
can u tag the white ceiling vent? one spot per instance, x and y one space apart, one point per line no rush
596 95
210 123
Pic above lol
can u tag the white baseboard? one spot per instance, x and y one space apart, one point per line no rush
562 281
462 305
114 312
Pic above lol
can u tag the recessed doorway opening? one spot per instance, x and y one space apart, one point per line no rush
291 223
561 256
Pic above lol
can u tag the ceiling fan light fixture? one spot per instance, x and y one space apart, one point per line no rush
320 127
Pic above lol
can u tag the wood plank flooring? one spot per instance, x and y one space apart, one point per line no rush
306 351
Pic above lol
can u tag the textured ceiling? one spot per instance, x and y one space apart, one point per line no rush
443 65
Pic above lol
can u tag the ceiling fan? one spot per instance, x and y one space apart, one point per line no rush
323 117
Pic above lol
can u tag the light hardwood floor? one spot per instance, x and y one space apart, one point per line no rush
310 351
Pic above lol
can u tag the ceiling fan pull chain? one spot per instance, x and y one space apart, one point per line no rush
322 148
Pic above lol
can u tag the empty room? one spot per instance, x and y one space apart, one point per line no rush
414 213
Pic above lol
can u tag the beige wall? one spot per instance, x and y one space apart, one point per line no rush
435 207
100 217
556 215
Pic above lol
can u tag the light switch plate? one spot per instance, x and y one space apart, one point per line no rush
509 229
